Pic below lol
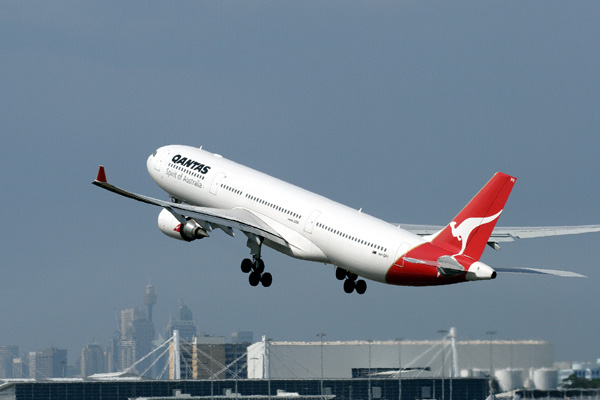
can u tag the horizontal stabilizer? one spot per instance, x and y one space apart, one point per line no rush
446 265
537 271
419 261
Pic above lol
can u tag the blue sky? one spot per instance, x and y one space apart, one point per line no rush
402 108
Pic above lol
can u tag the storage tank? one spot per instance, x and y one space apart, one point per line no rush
509 379
545 378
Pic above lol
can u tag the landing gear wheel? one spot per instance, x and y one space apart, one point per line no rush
266 279
361 287
340 274
348 286
246 265
352 276
254 279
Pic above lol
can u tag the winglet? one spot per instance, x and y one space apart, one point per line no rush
101 175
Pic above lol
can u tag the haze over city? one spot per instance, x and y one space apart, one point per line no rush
403 109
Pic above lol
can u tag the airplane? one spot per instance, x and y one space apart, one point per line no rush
208 192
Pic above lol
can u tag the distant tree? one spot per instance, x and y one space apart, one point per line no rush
574 382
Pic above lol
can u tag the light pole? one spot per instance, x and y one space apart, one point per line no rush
268 344
321 336
491 334
453 362
369 373
443 333
399 340
212 380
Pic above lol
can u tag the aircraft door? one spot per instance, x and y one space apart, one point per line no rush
217 182
310 222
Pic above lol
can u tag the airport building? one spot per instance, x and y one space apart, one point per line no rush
357 370
124 388
418 359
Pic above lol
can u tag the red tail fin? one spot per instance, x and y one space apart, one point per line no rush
470 230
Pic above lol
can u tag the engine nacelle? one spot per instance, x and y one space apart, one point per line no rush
170 226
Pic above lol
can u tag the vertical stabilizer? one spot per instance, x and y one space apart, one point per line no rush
470 230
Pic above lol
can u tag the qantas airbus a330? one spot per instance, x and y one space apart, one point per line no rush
208 192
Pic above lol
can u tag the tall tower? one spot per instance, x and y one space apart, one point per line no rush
150 299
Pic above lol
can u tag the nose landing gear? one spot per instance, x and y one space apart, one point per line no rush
350 281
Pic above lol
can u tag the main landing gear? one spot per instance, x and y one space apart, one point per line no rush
350 281
256 266
256 270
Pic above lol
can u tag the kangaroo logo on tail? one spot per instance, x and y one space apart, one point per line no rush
464 230
469 232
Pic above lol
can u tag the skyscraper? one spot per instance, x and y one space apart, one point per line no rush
113 356
20 369
7 354
48 363
184 324
137 334
92 360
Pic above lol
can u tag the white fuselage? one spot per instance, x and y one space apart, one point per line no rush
316 228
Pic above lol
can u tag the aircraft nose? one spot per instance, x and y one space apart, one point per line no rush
151 161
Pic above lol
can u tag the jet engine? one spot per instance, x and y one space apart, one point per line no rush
170 226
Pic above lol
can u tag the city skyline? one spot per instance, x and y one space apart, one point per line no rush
136 337
138 334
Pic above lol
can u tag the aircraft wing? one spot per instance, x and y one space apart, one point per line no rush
225 219
510 234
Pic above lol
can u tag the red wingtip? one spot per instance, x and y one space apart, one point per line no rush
101 175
